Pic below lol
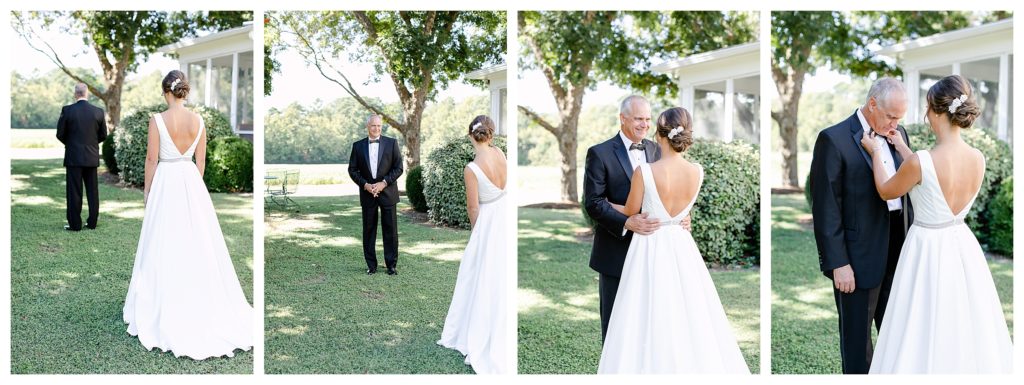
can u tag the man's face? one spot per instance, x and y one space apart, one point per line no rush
636 124
373 127
886 115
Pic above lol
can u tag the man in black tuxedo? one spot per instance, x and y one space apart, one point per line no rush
81 127
375 165
858 234
609 169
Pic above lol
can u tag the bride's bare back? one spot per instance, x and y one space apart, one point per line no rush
677 181
493 164
960 169
182 126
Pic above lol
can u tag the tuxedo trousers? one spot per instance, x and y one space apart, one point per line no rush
388 216
75 178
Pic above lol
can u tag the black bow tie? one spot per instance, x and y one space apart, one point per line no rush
374 140
637 146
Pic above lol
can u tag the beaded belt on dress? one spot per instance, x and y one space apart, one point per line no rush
166 160
954 222
493 199
673 222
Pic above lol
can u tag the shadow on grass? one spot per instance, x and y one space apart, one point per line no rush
325 315
559 316
67 289
805 324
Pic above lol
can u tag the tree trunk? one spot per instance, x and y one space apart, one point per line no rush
112 101
790 87
567 145
411 132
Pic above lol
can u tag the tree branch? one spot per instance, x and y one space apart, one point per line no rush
539 120
28 34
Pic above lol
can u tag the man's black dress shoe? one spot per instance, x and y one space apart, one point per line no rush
371 271
391 271
68 228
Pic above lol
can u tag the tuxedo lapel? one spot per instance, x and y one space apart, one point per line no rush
858 133
380 150
623 156
366 155
652 150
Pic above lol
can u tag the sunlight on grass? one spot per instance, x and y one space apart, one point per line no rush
293 331
34 200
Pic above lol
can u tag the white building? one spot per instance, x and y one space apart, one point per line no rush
982 54
497 85
722 90
219 67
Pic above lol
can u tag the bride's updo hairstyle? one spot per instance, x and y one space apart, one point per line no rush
953 96
676 125
176 84
481 128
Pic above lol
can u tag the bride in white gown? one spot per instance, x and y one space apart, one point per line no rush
184 295
475 325
943 314
667 316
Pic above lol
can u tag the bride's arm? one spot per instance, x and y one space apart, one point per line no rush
152 157
472 200
908 175
201 154
636 195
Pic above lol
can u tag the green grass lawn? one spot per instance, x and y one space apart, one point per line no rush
67 289
559 314
317 174
325 315
34 138
805 337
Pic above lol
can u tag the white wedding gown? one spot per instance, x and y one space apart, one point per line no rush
943 314
184 295
667 316
475 325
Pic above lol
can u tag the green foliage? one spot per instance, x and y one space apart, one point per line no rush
998 167
228 165
109 158
324 133
36 98
1001 222
807 191
726 210
414 189
130 140
443 183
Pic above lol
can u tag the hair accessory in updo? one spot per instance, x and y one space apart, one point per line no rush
675 131
175 83
956 103
477 126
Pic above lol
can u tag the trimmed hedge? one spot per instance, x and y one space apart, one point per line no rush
228 165
443 184
109 159
130 140
726 217
414 189
998 167
1001 222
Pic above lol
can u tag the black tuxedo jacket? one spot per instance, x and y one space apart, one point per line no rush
851 221
81 127
389 168
607 179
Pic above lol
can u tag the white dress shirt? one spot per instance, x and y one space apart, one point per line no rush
374 158
636 157
887 161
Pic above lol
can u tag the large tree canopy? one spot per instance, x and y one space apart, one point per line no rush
802 42
420 52
576 50
121 40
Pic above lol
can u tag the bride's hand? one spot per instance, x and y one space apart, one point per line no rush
894 137
869 143
619 208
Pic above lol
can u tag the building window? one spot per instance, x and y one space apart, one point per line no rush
220 86
197 82
928 78
746 125
244 113
708 110
984 78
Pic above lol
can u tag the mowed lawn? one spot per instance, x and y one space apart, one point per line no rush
559 313
68 289
805 325
325 315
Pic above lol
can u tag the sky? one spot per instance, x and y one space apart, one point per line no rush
301 83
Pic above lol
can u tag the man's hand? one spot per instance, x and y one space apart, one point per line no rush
369 188
641 225
843 279
686 223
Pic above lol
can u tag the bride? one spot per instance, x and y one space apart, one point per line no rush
667 316
184 295
943 314
475 325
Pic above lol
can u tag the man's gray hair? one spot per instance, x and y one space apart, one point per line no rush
370 117
81 90
883 89
627 104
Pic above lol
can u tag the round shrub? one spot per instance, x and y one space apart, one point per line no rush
1001 219
228 165
109 160
807 191
131 135
998 166
443 184
414 189
726 217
